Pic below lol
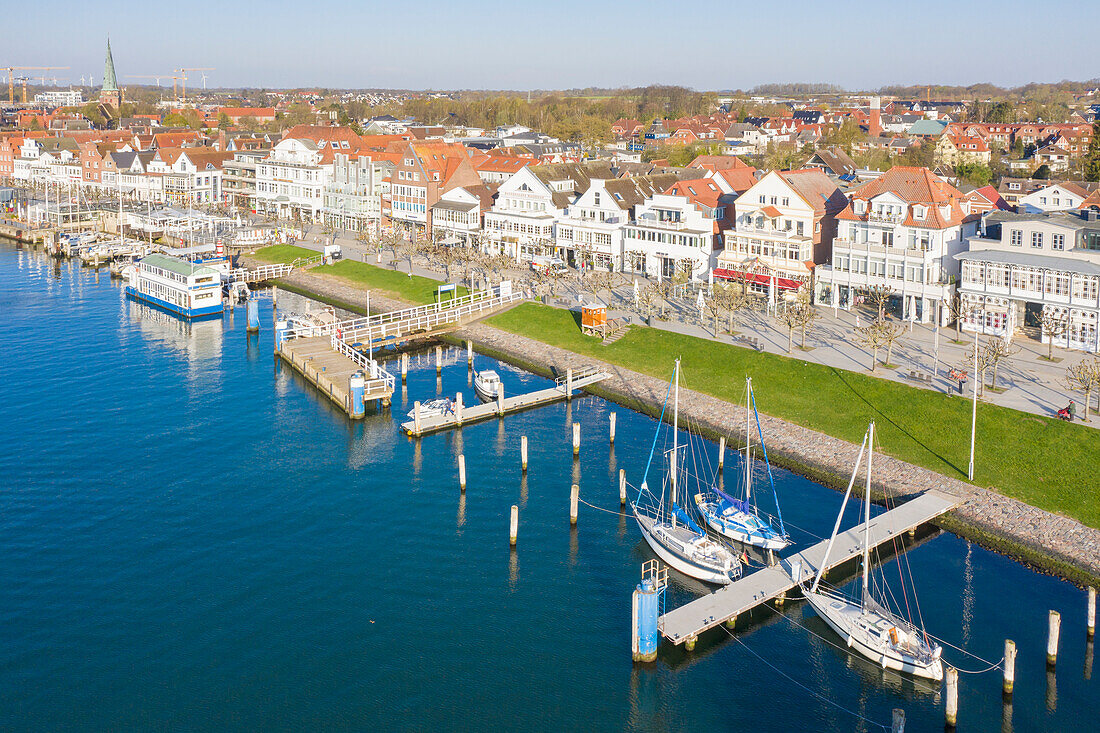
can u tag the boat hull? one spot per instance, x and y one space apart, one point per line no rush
860 642
679 562
212 311
730 530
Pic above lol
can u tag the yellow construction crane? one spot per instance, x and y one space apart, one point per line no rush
11 78
183 77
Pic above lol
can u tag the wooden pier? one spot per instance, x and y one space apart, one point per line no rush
688 621
329 364
463 415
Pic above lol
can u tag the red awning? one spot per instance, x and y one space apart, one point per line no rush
771 212
757 277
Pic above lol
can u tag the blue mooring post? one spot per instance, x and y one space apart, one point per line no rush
357 388
280 334
645 612
253 315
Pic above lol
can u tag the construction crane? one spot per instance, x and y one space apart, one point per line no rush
183 77
11 78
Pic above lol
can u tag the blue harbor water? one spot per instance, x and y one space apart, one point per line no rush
191 537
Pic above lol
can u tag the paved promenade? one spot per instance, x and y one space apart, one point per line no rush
1036 530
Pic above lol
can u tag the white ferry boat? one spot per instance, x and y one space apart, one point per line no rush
178 286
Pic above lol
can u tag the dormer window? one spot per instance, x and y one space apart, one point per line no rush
919 212
860 206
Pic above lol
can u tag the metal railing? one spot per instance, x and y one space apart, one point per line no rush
378 377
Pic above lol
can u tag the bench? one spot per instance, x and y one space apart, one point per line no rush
920 376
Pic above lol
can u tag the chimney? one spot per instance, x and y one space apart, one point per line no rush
874 126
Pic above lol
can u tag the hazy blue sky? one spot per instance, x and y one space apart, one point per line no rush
703 44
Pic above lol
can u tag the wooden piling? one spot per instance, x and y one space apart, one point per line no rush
523 453
1090 618
513 526
622 487
416 418
438 359
462 471
611 420
404 367
574 496
721 452
500 400
897 722
470 353
951 704
576 439
458 408
1010 668
1055 623
569 383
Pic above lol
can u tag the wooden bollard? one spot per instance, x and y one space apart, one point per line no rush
622 487
416 418
523 453
721 452
574 497
1010 668
462 471
951 704
1052 638
438 359
470 353
458 408
404 367
513 526
1090 618
611 420
897 722
576 439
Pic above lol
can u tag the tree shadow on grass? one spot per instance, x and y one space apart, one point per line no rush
843 377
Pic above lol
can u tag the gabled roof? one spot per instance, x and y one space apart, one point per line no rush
815 188
702 191
835 160
718 162
913 186
739 179
633 190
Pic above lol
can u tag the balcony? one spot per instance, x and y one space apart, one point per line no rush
882 218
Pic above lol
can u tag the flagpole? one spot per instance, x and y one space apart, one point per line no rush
974 411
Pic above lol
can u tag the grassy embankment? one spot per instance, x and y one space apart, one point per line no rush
385 282
1041 461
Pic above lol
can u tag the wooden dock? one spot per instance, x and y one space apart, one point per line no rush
329 363
688 621
463 415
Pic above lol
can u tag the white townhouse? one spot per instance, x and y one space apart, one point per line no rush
291 180
192 176
128 172
591 228
783 228
456 216
1059 196
1022 266
353 191
676 230
901 230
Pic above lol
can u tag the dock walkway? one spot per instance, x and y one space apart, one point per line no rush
462 415
329 364
688 621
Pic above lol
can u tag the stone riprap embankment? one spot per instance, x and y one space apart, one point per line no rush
1046 540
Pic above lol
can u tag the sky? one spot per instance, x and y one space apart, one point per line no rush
492 44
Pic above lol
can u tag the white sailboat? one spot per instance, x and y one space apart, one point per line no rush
869 626
740 519
668 530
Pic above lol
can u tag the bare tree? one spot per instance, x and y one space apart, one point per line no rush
891 334
880 296
873 337
791 317
647 299
1052 325
997 350
1085 377
959 310
807 316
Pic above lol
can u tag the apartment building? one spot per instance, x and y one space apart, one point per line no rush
354 190
423 172
677 231
1022 266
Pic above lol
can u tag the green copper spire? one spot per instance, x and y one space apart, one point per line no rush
110 84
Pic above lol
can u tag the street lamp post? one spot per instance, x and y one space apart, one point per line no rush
974 410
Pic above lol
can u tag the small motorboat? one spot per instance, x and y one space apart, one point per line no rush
487 384
433 408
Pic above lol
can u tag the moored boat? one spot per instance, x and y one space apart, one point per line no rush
487 384
178 286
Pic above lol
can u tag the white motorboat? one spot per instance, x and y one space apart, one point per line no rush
487 384
867 624
433 408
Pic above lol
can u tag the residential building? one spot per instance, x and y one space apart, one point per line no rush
353 192
1053 196
423 172
783 228
239 178
59 98
902 231
457 215
1022 267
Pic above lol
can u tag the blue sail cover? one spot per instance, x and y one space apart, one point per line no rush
735 503
686 519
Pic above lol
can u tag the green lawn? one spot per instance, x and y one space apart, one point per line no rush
283 253
399 285
1042 461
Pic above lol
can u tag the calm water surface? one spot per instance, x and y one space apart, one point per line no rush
192 538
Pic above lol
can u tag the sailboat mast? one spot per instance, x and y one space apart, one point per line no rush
839 517
867 515
675 433
748 440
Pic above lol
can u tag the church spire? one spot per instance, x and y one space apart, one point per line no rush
110 83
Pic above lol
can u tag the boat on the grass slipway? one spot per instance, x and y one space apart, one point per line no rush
177 286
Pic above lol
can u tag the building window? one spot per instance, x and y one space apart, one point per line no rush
1017 239
1058 241
1037 240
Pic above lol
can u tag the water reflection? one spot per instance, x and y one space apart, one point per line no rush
461 511
513 570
